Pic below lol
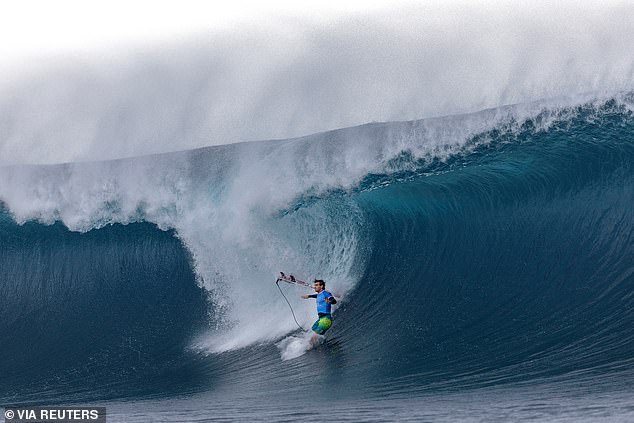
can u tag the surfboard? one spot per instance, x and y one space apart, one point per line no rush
292 279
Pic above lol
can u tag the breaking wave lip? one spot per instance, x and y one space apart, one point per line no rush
234 206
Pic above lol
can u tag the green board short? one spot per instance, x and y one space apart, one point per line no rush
322 324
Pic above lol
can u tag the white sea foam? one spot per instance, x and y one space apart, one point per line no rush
295 346
291 76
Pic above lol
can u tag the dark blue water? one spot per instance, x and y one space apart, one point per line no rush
496 284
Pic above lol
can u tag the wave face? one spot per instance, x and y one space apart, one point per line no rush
491 249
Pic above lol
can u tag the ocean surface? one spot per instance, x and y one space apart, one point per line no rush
484 265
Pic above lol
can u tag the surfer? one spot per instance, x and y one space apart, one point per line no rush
324 303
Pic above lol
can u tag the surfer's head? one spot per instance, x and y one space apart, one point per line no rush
319 285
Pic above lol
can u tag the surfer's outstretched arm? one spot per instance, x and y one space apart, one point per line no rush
309 296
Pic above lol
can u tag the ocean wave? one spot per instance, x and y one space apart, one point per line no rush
468 250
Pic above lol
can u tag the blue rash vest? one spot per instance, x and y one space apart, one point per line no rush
322 305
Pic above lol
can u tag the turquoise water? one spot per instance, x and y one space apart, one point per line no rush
489 279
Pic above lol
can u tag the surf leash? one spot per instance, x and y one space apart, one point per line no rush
292 280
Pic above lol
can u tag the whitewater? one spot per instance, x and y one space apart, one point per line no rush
472 214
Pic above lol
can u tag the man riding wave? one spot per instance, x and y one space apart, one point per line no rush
324 305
